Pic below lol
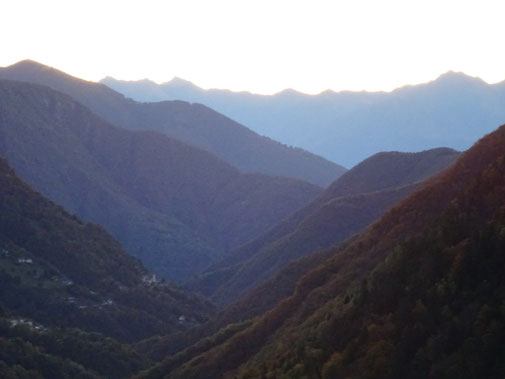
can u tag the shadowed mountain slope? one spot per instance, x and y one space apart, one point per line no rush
352 202
417 294
172 205
194 124
68 286
454 110
71 258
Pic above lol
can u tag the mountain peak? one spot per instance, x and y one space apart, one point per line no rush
29 64
111 79
28 70
179 82
289 92
458 77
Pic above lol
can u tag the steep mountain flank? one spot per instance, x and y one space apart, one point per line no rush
352 202
174 206
52 261
417 294
258 283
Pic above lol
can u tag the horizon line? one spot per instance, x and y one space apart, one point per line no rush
279 92
299 92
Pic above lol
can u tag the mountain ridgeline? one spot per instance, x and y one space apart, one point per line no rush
418 294
194 124
352 202
392 270
254 278
454 110
176 207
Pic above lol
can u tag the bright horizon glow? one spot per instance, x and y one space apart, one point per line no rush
260 46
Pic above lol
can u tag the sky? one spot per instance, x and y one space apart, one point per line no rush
259 46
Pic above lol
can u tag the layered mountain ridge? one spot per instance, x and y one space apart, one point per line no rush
394 270
194 124
417 294
252 280
349 204
172 205
346 127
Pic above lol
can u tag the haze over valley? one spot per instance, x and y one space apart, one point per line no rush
322 196
346 127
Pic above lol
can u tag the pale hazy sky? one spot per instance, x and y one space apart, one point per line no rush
259 46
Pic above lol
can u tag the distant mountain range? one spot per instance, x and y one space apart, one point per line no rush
346 127
393 270
352 202
417 294
176 207
194 124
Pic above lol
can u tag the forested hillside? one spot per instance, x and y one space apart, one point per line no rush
70 293
175 207
418 294
352 202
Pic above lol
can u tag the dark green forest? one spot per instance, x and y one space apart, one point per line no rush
72 299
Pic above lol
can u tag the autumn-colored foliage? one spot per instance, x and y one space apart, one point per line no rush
418 294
